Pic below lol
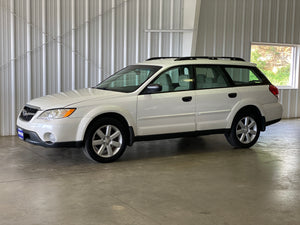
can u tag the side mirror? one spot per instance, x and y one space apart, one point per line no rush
153 88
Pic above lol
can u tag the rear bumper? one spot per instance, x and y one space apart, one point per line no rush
264 124
33 138
272 112
272 122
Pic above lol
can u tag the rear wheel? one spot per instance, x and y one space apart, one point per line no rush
105 140
245 130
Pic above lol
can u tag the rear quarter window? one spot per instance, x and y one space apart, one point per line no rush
245 75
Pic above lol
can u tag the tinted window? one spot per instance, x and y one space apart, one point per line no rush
210 77
243 76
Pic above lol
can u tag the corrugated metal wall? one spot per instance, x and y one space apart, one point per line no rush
47 46
228 27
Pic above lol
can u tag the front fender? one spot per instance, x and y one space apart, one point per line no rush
95 112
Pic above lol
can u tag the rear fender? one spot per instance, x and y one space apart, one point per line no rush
246 105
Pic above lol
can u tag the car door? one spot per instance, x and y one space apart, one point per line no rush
172 110
215 97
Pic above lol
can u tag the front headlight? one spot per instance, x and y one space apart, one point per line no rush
56 114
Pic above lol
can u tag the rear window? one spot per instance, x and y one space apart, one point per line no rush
244 75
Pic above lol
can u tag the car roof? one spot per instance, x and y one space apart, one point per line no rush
177 61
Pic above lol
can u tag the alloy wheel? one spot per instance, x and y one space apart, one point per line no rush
246 130
107 141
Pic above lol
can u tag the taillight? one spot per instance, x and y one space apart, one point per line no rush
274 90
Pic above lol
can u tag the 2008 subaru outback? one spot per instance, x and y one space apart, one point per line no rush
159 98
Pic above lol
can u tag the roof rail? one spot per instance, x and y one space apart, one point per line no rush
209 57
197 57
154 58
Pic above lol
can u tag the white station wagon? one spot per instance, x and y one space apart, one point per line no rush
160 98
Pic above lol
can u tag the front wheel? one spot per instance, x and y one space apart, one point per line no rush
245 131
105 140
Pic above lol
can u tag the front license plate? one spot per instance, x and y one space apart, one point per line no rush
20 133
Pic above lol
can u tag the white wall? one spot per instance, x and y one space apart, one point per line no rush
48 46
227 28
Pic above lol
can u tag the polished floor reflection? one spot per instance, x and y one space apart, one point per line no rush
181 181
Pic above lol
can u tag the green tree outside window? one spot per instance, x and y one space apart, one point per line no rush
274 62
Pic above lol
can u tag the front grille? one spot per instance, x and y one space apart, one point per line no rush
27 113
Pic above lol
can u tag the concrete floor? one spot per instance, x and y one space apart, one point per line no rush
181 181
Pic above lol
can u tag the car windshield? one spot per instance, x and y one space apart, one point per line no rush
128 79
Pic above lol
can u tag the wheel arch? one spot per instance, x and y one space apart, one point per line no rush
252 109
116 116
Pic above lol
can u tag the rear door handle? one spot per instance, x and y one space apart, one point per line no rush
187 99
232 95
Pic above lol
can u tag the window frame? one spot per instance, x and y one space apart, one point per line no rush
295 63
227 77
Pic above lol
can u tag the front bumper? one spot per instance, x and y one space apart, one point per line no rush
50 133
33 138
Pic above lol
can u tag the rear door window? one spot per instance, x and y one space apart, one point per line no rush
210 77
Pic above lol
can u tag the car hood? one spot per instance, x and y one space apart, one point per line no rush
65 99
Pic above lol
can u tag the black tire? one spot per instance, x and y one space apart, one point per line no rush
245 130
105 140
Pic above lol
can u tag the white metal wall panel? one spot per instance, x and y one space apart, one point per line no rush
37 36
48 46
6 62
227 28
